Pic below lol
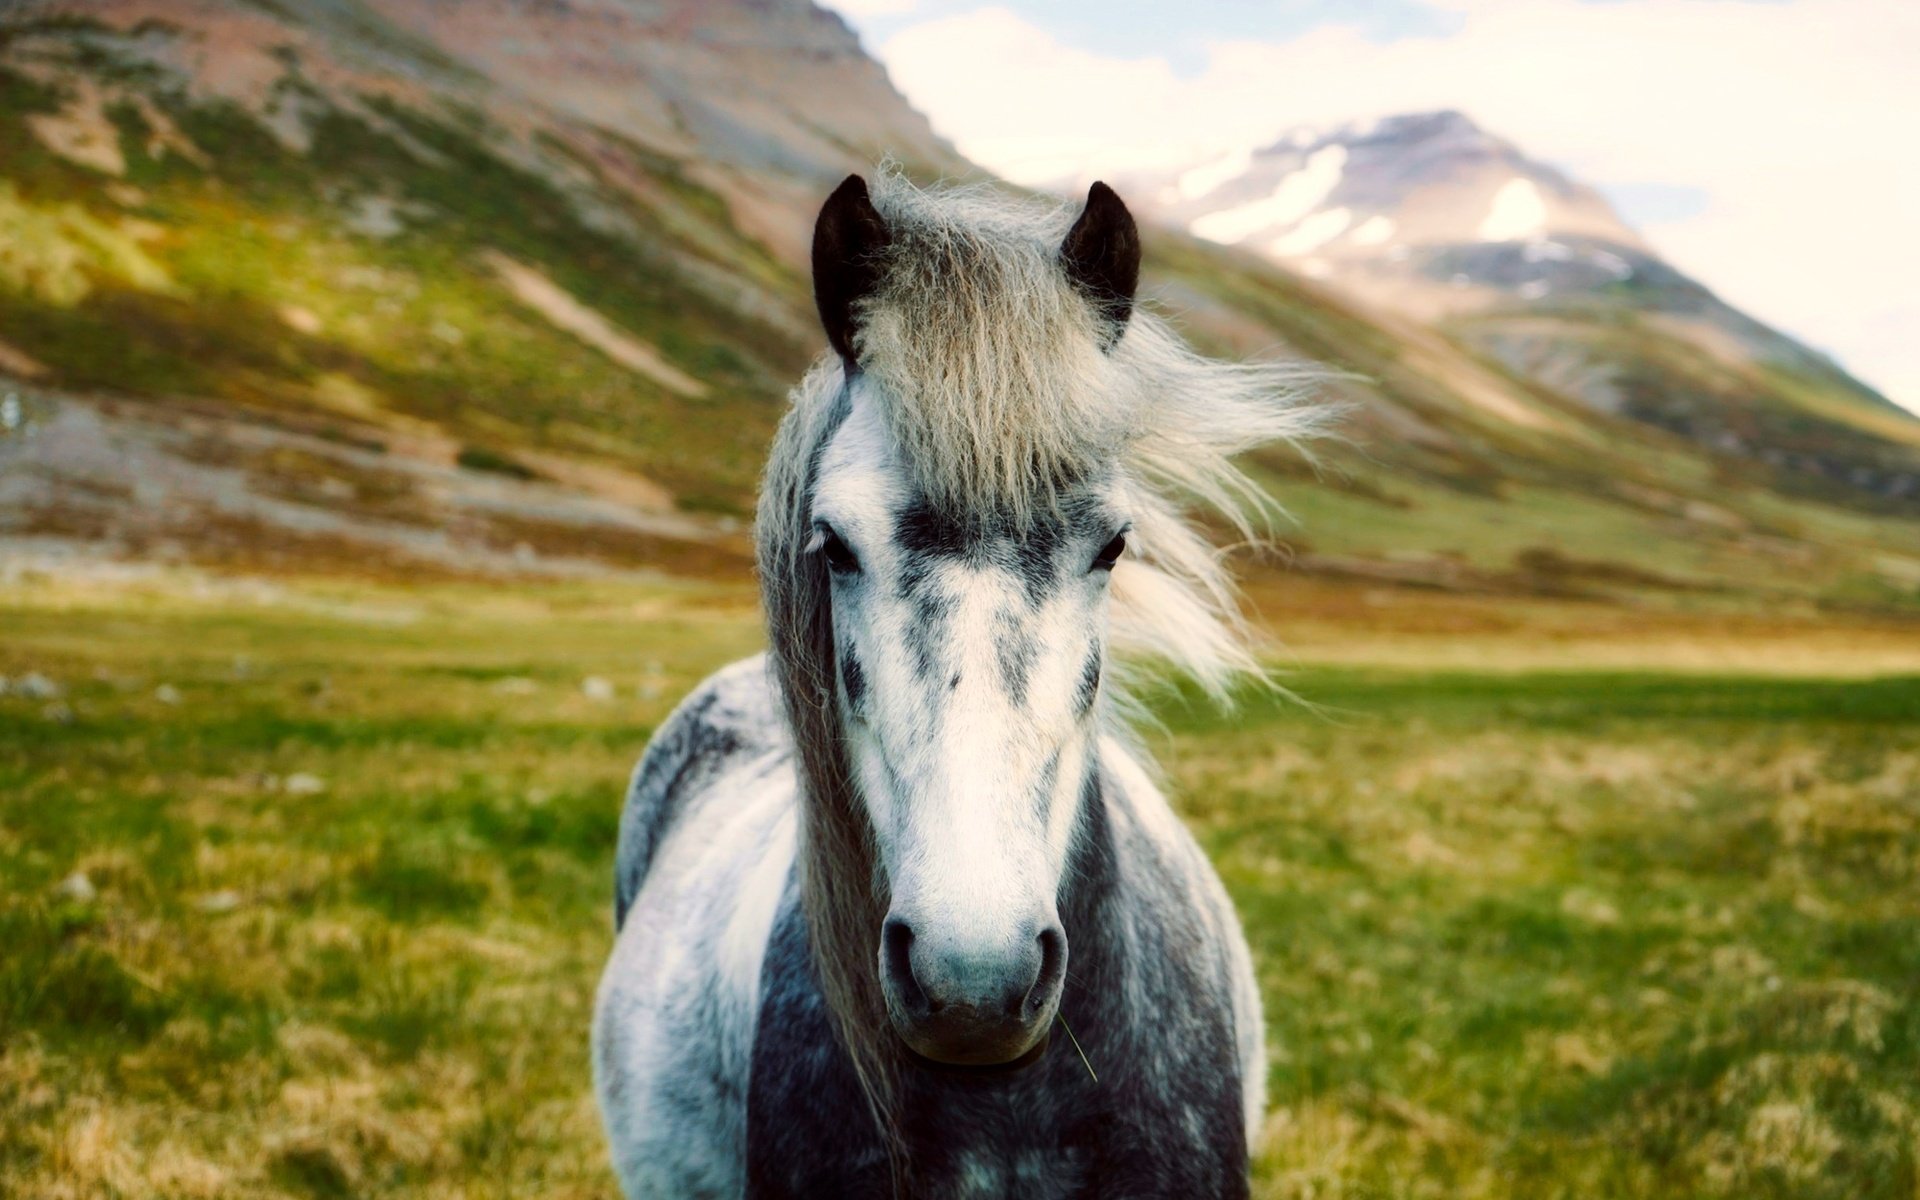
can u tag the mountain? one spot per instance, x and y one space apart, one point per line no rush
1367 195
561 243
1431 216
518 286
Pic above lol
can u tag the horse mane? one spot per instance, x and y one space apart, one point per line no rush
990 370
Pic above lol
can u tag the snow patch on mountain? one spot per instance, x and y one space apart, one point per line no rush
1312 233
1611 262
1373 231
1204 178
1518 212
1291 199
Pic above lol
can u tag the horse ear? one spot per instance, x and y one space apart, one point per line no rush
1102 258
848 239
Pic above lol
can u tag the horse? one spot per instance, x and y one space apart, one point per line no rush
900 908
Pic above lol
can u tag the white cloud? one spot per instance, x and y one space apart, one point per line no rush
1799 121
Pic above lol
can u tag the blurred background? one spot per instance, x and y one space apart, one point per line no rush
383 387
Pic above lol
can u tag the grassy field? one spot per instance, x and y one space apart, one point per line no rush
304 892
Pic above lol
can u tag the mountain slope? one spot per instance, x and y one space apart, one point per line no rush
519 285
317 207
1431 216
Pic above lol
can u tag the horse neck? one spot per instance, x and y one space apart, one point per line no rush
1093 896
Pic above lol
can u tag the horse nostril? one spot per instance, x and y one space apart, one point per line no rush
896 946
1053 969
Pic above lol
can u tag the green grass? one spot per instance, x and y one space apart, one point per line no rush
1568 933
1579 934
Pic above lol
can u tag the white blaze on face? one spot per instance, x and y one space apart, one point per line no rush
967 704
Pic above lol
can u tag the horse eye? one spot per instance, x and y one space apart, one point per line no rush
1110 553
840 559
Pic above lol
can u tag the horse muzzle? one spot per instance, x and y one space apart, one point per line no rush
968 1003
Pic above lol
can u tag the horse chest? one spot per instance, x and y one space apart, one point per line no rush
1049 1132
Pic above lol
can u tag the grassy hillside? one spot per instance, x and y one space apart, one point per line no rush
371 243
1460 473
355 276
1776 414
305 892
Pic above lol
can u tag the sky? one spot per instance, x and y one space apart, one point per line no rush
1769 148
